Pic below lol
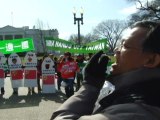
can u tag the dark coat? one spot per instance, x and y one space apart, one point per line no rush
136 97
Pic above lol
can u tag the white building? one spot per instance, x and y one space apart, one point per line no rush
9 33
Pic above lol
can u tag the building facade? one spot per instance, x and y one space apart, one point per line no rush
10 32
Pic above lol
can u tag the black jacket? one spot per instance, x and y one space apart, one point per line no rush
136 97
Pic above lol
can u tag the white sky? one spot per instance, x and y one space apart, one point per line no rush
57 14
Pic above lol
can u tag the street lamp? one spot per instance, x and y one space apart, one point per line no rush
78 20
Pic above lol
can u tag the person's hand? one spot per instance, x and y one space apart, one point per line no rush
94 73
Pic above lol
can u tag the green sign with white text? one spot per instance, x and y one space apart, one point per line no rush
63 45
16 45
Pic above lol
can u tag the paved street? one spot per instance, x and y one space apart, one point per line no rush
28 107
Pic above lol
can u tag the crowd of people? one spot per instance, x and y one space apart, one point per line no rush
68 71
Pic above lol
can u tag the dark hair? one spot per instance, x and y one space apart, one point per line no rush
90 54
44 56
152 40
68 54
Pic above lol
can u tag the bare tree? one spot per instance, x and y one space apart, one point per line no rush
90 37
148 10
74 38
111 30
40 27
84 38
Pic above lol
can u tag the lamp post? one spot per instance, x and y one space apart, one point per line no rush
78 21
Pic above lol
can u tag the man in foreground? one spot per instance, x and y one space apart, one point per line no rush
135 74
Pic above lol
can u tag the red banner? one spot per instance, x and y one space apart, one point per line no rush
2 73
48 79
17 74
30 74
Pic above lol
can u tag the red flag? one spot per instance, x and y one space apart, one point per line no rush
48 79
30 74
1 73
17 74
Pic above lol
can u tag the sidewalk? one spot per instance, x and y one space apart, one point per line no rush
28 107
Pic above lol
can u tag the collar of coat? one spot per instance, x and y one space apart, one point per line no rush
142 85
134 77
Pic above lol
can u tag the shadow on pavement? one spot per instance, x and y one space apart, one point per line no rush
15 101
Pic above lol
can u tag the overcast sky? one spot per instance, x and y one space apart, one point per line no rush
57 14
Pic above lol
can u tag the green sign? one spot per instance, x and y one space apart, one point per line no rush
16 45
63 45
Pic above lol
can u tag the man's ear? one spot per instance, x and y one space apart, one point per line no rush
152 60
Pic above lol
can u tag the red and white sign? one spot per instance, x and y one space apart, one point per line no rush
30 70
16 70
30 74
2 73
48 79
16 77
30 77
14 61
17 74
48 76
30 59
2 60
2 76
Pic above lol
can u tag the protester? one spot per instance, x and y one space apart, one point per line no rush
5 68
54 59
89 56
59 78
55 62
68 68
14 64
33 63
2 91
39 74
81 63
51 56
135 74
